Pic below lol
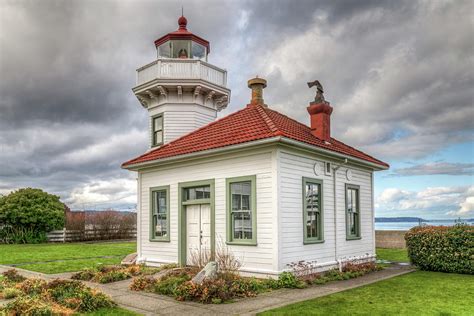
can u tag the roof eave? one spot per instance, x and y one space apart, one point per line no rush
328 152
266 141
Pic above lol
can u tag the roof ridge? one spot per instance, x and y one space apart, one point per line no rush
192 132
267 119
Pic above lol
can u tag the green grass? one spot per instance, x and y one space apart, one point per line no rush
417 293
117 311
393 255
33 257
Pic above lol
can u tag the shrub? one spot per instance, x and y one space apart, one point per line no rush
32 286
30 306
168 285
112 276
142 283
28 214
84 275
442 248
289 280
13 276
10 292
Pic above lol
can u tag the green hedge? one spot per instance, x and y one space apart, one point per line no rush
442 248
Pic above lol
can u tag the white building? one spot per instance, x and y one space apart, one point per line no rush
271 189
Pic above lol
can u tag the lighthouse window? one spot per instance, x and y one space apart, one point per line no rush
180 48
199 51
157 126
164 50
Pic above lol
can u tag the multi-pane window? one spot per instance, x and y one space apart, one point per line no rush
159 214
352 211
157 127
197 193
242 210
312 210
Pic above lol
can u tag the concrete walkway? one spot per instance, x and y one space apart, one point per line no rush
154 304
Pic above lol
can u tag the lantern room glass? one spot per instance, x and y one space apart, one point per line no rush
183 49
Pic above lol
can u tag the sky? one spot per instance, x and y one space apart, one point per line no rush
399 75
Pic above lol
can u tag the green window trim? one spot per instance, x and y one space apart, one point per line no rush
182 186
320 223
357 234
253 205
154 142
153 237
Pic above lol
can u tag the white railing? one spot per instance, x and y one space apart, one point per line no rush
181 69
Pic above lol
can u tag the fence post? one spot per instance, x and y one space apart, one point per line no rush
64 234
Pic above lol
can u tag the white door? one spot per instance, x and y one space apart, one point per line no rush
198 230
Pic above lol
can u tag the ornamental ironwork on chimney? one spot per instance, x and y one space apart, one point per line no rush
320 113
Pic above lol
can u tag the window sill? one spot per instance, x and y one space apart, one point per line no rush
241 243
353 238
159 240
309 242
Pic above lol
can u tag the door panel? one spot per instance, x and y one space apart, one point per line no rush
198 232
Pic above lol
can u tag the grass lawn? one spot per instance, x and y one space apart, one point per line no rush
417 293
32 257
393 255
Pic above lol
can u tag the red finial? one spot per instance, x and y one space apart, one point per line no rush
182 22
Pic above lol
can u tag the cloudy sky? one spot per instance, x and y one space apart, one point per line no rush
399 74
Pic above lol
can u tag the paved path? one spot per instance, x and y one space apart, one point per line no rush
154 304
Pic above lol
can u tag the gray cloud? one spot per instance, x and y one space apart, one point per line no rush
397 74
436 168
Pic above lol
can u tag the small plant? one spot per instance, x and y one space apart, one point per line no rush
84 275
142 283
227 263
13 276
10 292
290 281
304 270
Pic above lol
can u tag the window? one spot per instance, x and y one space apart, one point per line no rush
352 212
327 168
180 48
312 211
241 210
199 51
157 126
197 193
159 223
164 50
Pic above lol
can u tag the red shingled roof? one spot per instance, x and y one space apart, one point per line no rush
249 124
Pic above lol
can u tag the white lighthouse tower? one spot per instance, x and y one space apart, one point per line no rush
180 89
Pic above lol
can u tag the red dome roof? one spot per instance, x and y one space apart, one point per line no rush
182 33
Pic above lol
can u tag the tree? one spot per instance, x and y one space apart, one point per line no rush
31 210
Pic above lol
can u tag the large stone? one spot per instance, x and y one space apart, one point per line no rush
209 272
130 259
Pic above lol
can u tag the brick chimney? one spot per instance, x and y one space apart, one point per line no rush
320 113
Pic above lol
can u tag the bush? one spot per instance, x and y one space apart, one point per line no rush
13 276
442 248
28 214
10 292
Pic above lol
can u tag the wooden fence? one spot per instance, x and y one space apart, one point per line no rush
65 235
390 238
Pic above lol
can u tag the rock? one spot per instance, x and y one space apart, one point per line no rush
208 273
130 259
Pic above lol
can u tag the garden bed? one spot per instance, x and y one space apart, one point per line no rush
58 297
228 286
114 273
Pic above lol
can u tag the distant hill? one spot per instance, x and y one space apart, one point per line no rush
417 219
398 219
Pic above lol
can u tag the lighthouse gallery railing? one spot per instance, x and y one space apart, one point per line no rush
181 69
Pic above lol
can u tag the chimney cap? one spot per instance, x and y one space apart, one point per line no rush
257 81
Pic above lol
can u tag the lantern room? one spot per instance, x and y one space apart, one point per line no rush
182 44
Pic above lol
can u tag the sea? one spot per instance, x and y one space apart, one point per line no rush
408 225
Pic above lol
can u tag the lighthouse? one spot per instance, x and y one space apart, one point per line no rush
181 90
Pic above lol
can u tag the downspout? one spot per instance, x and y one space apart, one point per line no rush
335 168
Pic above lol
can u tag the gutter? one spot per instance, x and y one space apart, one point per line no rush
276 139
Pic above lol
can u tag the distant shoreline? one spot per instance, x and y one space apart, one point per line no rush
417 220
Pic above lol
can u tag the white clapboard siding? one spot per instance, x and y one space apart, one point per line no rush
293 166
256 162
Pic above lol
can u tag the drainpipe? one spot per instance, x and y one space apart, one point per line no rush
335 168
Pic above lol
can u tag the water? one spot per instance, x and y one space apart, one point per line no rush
408 225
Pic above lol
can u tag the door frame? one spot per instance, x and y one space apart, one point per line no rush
182 246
